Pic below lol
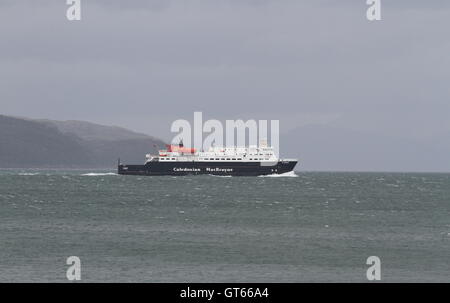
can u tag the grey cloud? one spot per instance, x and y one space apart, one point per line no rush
142 64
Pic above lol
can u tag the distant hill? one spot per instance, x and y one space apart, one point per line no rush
27 143
334 149
91 132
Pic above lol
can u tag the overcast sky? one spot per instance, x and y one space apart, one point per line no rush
142 64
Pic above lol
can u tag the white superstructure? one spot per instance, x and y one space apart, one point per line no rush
261 153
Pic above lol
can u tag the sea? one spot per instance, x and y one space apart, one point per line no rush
299 227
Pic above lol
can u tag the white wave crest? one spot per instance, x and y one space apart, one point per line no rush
99 174
28 174
288 174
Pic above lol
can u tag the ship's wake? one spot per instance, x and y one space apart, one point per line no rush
99 174
288 174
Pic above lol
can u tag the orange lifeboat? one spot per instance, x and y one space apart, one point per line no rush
180 149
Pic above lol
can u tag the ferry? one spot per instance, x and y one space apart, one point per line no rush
178 160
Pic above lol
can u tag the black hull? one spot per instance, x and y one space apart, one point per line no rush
206 168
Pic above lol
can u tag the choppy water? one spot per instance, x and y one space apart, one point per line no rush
314 227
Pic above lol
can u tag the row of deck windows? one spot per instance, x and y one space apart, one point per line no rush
222 159
217 159
227 159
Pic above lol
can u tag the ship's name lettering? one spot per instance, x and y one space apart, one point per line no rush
185 169
219 169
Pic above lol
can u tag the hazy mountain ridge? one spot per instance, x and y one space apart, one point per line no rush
326 148
91 131
27 143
